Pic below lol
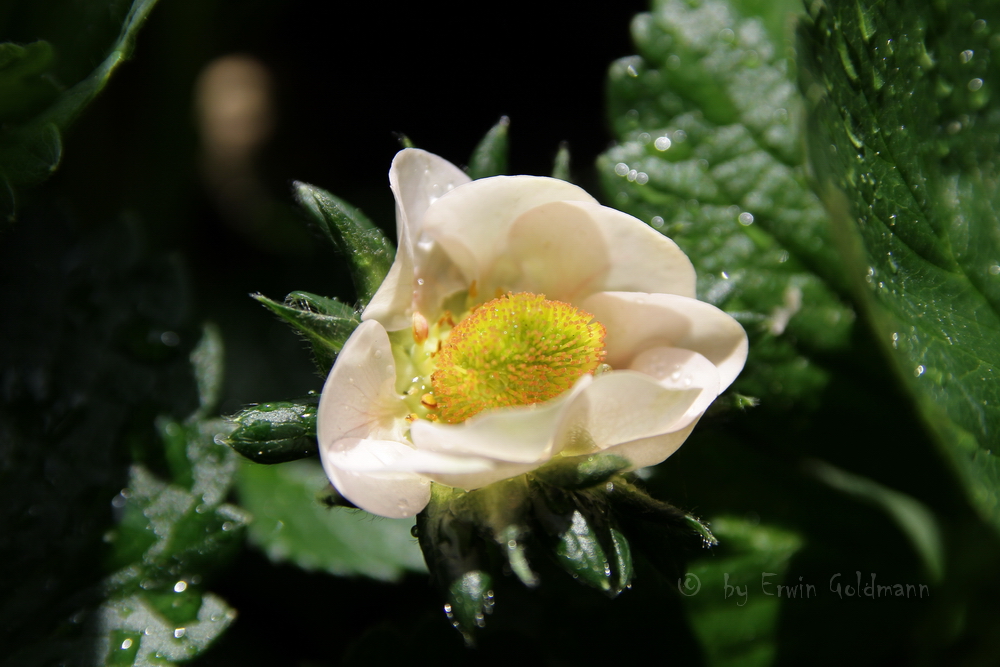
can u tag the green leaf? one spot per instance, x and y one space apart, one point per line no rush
560 166
276 432
326 323
207 359
136 632
733 597
176 529
91 354
709 154
291 525
368 252
31 148
913 517
170 535
489 158
904 137
31 153
25 87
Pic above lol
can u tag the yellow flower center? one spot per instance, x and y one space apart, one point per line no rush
518 349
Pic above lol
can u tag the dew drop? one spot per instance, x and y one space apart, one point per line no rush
918 371
975 84
746 218
657 222
995 269
965 56
662 143
621 168
378 354
127 644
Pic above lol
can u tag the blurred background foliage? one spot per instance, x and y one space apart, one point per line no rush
130 536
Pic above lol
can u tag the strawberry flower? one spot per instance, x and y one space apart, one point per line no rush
521 322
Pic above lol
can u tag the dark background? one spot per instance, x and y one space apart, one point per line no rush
345 82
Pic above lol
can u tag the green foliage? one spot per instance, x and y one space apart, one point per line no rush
739 626
368 252
489 158
25 88
96 566
708 124
326 323
560 166
170 535
31 132
290 524
904 140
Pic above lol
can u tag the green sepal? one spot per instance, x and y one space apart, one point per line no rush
470 598
330 497
663 533
512 542
630 500
585 543
276 432
369 253
326 323
581 472
560 166
500 510
489 158
456 556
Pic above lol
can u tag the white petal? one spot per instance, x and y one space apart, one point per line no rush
471 223
679 369
392 303
650 451
498 470
417 179
363 471
623 406
400 462
568 250
636 322
359 398
522 434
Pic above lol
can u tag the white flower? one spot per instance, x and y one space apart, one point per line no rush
460 244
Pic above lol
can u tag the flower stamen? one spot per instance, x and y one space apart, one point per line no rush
519 349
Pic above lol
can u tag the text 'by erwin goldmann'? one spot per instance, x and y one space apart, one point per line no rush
839 585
